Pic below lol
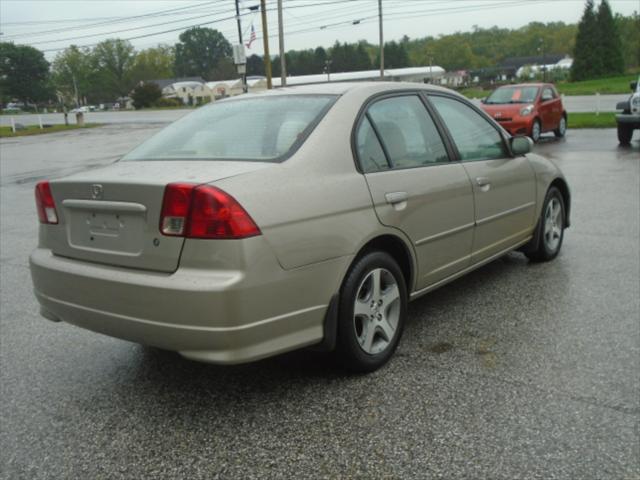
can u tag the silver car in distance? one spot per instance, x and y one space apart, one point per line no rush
304 216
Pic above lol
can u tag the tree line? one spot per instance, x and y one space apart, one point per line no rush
598 50
113 67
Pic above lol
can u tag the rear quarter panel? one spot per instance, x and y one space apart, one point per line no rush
315 206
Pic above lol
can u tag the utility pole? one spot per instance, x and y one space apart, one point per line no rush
283 63
265 43
244 74
381 41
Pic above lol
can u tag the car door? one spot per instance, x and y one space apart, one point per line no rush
548 109
414 185
503 186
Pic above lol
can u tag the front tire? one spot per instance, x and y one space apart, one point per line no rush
536 130
625 132
372 312
550 229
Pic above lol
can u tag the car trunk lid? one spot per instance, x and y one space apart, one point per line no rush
112 215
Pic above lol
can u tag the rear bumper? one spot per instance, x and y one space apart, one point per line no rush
222 317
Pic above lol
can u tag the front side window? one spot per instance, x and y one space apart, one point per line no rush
474 136
408 134
262 129
547 94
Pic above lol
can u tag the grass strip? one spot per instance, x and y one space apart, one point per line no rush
6 132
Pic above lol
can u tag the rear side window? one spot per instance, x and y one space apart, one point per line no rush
407 132
474 136
266 129
370 153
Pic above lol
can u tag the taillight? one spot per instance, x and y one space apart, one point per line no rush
204 212
175 209
45 204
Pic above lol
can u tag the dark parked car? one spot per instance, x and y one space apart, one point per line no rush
629 119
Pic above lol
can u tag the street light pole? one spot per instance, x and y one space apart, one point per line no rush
265 43
243 75
381 40
283 63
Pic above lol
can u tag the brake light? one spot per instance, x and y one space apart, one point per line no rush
45 204
204 212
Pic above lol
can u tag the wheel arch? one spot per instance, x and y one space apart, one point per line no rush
397 249
389 243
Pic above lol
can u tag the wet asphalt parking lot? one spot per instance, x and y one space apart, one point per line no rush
517 370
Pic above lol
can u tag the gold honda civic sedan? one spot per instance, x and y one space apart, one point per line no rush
304 216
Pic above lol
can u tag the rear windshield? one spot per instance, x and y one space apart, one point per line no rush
513 95
265 129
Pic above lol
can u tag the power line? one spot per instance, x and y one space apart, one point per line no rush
112 22
391 14
168 31
128 29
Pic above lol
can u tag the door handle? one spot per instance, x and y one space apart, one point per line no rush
396 197
483 181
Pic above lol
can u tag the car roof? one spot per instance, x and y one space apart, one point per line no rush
340 88
526 85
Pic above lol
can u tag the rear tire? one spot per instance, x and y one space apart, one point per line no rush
625 132
562 128
372 312
536 130
550 229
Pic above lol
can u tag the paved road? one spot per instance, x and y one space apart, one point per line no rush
515 371
607 103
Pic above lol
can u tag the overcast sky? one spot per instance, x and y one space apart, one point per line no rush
51 25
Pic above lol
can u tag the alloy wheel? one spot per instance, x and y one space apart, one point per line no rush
535 131
562 128
553 224
376 311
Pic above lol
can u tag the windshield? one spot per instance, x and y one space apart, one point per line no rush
513 95
265 129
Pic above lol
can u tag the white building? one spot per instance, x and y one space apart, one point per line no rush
410 74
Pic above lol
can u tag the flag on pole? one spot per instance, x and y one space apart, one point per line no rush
252 37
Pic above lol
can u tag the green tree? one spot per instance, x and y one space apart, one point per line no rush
586 59
609 46
201 52
629 30
145 95
72 72
112 62
153 63
255 65
395 55
24 73
320 58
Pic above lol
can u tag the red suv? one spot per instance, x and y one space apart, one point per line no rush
528 109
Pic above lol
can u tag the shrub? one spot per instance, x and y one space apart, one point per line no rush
168 102
145 94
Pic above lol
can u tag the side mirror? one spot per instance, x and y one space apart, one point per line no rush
520 145
633 86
